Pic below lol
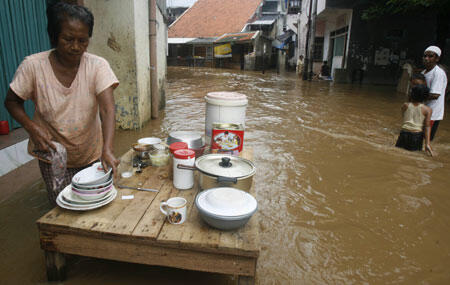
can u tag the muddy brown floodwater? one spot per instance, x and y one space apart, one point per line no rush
338 204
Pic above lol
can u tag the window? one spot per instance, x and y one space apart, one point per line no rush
294 6
209 52
339 46
318 49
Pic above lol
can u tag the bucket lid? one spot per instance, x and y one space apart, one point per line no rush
184 153
227 201
229 99
149 140
224 95
225 165
178 145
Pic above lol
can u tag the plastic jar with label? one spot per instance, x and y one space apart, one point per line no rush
183 178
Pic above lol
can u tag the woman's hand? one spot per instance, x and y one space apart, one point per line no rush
109 160
41 138
429 150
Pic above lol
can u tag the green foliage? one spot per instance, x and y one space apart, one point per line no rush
379 8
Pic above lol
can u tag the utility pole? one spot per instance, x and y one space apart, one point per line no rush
306 61
312 40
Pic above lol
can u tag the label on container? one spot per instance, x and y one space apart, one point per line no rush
227 138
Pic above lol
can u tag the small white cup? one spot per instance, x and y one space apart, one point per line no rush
175 210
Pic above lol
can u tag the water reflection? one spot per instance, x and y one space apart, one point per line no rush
338 202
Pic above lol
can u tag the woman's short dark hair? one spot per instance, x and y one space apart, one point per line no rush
61 11
419 93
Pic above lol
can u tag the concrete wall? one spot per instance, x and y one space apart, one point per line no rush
162 53
142 45
121 36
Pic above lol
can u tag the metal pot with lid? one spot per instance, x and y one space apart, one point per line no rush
219 170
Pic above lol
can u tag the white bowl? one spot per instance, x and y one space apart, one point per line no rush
93 196
226 202
149 140
91 191
94 186
92 175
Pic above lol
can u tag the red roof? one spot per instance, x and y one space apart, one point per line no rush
213 18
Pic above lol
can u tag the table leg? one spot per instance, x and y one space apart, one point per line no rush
56 266
246 280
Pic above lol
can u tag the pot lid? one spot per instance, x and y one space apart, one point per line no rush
225 165
226 201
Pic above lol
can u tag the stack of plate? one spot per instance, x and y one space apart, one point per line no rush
91 188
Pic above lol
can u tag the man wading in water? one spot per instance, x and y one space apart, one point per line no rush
437 82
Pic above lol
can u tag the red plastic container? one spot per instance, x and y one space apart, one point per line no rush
177 145
4 128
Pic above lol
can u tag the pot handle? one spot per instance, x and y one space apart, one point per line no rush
226 179
186 167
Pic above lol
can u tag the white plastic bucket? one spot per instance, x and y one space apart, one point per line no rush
224 107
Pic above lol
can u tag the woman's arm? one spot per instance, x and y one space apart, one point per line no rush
40 136
107 116
427 129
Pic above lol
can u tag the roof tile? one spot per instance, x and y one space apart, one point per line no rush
213 18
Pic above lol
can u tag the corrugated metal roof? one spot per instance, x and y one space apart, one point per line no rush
236 37
203 41
263 22
179 40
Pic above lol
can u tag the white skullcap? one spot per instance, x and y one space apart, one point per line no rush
434 49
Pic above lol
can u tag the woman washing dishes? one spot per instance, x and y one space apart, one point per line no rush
73 95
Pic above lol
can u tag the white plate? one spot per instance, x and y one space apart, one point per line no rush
92 175
150 141
68 206
69 196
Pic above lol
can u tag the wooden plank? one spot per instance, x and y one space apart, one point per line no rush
152 221
151 255
172 234
113 217
127 220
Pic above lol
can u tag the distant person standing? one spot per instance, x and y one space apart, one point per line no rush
437 82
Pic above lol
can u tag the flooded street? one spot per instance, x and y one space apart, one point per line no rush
338 203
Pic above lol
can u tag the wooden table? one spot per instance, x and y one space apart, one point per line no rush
136 231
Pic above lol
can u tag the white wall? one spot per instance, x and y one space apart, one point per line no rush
121 36
142 50
334 21
321 5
